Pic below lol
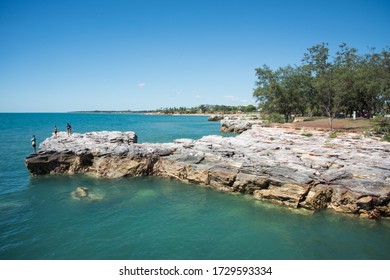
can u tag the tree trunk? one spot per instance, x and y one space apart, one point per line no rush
330 123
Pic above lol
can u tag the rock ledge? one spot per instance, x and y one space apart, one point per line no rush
345 174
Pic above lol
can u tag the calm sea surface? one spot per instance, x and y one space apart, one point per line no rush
153 218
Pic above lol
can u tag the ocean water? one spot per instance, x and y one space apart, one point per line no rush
155 218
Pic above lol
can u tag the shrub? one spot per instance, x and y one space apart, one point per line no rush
307 134
332 134
382 127
366 133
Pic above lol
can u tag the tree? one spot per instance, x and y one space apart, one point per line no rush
346 64
280 91
317 64
250 108
321 86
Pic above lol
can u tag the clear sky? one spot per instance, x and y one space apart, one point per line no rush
59 56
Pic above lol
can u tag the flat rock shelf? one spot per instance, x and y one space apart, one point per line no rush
349 174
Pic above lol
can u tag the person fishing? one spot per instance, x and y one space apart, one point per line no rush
55 131
34 143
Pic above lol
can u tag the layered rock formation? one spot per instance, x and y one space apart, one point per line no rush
239 123
282 166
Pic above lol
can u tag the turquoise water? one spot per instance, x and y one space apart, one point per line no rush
154 218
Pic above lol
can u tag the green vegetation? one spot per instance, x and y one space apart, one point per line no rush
382 127
273 118
202 109
209 109
332 134
323 87
330 145
307 134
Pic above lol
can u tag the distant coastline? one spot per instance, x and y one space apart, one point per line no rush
140 112
202 110
109 112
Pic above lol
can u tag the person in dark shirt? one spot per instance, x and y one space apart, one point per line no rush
68 129
55 131
34 143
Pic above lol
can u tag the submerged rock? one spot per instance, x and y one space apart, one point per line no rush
83 193
279 165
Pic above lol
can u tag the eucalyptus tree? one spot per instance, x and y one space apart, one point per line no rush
280 91
346 65
316 62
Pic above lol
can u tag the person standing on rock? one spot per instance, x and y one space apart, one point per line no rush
68 129
34 143
55 131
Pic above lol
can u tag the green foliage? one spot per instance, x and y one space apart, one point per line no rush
325 87
330 145
274 118
366 133
210 109
332 134
280 91
307 134
382 126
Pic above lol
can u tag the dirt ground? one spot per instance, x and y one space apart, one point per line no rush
346 124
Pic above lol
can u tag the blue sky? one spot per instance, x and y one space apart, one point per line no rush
59 56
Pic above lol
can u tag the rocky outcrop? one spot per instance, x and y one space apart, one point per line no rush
344 174
215 118
239 123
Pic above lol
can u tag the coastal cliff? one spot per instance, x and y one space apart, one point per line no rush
349 174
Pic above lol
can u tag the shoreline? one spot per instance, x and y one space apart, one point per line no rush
278 165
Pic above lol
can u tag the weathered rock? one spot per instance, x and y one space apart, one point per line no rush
318 197
248 183
366 202
280 165
236 127
81 192
344 200
215 118
239 123
370 214
287 194
222 178
85 194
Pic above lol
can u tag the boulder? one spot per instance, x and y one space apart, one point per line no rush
81 192
215 118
